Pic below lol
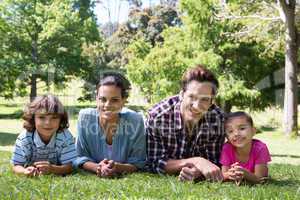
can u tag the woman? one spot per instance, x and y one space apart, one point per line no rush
111 139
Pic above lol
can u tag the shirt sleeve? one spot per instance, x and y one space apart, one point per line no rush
68 153
82 147
137 155
263 155
19 153
225 159
156 152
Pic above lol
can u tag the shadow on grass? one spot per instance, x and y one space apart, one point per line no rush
283 183
285 155
72 110
7 138
265 129
15 115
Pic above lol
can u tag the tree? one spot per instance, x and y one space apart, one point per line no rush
281 17
288 10
203 38
145 24
43 40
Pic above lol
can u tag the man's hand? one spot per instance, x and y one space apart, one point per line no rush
209 170
189 172
43 167
31 171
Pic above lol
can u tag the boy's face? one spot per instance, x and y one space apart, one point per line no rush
239 132
46 124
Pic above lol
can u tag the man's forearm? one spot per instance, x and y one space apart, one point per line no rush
175 166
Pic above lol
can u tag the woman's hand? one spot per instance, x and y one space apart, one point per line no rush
107 168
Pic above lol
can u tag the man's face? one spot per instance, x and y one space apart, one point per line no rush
196 100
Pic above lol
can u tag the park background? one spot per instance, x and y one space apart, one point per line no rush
63 47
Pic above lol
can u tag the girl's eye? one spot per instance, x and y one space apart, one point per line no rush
115 100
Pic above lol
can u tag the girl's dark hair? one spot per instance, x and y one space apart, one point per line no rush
201 74
116 79
229 116
48 104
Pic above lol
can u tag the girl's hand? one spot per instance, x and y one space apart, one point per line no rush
31 171
44 167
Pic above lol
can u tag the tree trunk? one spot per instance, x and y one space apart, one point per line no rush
34 73
33 88
227 107
291 50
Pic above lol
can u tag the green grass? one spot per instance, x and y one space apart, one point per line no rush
284 170
285 184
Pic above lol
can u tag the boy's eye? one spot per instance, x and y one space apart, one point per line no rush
102 99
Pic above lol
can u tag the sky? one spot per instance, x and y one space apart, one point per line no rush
118 10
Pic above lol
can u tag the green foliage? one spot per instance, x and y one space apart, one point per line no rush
144 25
43 40
204 38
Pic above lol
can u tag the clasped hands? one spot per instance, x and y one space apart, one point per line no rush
38 168
106 168
236 173
198 167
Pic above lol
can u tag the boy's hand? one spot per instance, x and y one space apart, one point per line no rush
31 171
44 167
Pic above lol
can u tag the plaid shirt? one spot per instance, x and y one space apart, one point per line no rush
168 139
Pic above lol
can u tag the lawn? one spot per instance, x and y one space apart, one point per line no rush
284 171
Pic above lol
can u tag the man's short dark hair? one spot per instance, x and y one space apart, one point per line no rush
201 74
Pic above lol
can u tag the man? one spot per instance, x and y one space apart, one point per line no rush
185 133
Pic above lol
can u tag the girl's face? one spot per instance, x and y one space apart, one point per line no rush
46 124
239 132
109 102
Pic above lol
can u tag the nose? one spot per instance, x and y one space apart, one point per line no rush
196 105
107 103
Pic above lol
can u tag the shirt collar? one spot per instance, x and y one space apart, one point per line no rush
39 143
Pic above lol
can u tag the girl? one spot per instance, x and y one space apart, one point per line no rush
111 139
242 157
45 146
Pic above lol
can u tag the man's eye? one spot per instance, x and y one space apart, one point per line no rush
205 99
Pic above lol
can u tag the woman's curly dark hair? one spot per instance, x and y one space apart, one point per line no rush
48 104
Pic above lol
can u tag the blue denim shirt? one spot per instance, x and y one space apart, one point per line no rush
129 141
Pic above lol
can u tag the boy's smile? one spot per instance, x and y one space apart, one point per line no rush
46 125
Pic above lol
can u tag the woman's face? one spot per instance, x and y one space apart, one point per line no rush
109 102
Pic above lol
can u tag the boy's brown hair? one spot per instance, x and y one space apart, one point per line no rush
48 104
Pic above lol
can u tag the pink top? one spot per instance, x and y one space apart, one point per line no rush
259 154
